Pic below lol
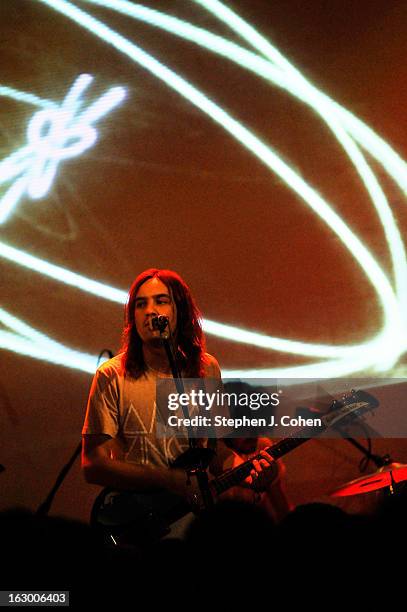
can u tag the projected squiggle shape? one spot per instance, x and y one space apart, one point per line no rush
382 351
54 134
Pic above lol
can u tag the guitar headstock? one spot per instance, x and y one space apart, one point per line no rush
352 405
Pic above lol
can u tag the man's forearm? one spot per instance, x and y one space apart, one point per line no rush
122 475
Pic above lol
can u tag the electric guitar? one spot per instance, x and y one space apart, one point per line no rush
129 517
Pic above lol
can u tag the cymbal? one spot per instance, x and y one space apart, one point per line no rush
385 477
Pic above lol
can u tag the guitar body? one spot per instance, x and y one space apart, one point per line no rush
127 518
133 518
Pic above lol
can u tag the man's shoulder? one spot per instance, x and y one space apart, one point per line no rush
211 366
112 367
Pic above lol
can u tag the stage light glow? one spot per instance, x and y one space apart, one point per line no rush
381 352
54 134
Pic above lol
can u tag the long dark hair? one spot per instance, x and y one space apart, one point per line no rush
189 335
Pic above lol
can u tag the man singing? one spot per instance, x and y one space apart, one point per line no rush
120 446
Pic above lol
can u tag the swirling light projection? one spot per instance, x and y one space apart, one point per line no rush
379 353
54 134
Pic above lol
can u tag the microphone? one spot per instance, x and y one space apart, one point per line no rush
159 322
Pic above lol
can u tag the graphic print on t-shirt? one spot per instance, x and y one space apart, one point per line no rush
143 446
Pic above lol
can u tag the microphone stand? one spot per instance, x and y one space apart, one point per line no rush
196 459
45 506
378 460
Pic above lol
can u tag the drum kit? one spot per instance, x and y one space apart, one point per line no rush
388 476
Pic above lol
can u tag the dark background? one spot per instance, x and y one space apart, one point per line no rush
164 186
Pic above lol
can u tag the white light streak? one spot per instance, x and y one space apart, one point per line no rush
32 343
54 134
381 352
62 275
228 332
28 98
283 74
360 133
361 354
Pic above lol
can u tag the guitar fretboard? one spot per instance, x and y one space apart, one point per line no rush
233 477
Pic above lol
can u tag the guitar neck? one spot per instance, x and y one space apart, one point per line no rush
235 476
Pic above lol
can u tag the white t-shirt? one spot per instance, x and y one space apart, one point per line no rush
125 408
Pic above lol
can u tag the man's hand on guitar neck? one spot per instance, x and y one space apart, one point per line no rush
263 472
261 476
